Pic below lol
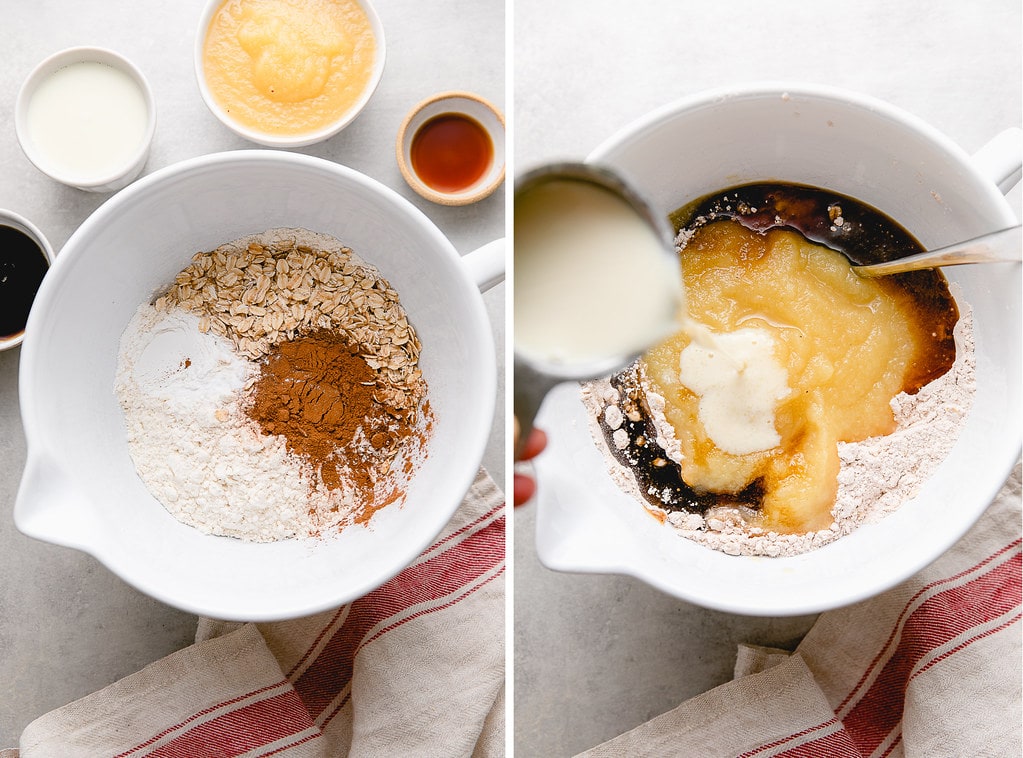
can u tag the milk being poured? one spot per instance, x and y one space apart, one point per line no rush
89 119
593 283
576 244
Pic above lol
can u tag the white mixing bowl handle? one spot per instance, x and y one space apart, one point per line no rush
1001 158
486 264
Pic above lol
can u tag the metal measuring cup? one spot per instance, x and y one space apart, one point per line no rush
534 376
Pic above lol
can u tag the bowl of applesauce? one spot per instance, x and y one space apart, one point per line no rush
285 74
808 438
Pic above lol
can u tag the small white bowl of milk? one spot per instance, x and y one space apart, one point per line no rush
85 117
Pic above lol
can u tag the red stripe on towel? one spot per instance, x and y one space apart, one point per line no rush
296 743
196 716
836 744
238 731
433 609
936 622
431 580
472 525
344 701
896 628
965 644
333 620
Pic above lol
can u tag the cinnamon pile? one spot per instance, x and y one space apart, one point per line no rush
318 392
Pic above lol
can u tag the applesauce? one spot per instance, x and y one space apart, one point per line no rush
830 350
288 68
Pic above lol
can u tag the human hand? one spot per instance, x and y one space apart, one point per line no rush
524 486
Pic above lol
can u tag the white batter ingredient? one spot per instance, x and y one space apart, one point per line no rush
194 447
592 280
739 382
88 119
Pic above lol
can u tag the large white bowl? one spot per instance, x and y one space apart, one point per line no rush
80 488
876 153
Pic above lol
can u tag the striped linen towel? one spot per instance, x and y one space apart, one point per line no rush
415 668
930 668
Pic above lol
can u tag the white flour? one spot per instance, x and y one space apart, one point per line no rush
194 447
877 475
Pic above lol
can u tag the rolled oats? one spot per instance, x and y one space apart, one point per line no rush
289 283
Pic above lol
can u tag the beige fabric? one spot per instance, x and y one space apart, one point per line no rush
415 668
752 659
193 687
771 704
930 668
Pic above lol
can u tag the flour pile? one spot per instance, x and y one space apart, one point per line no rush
194 447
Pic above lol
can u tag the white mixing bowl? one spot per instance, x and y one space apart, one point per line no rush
80 488
867 149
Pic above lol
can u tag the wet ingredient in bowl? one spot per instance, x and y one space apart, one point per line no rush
451 152
285 68
22 268
88 120
843 346
847 346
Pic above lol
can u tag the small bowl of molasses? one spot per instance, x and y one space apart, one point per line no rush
450 148
25 257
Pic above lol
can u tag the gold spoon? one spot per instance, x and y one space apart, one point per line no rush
1005 246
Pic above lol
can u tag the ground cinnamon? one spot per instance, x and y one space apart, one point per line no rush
321 395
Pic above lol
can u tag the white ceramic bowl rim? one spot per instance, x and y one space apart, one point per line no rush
456 473
291 140
782 88
54 63
212 160
580 521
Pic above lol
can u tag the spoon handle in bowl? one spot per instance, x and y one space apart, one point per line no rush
1005 246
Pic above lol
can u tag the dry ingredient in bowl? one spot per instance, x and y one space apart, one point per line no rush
797 399
274 391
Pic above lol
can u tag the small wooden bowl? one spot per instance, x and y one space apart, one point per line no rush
464 104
